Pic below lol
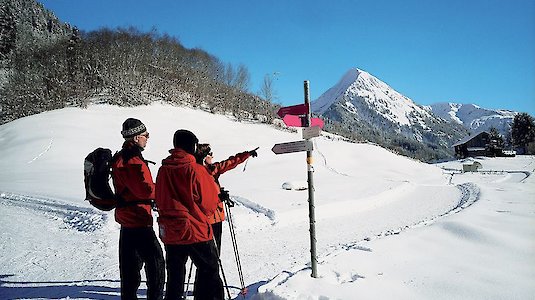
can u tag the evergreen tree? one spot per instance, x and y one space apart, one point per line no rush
522 131
496 143
496 138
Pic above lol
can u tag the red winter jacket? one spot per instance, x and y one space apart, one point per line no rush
133 182
218 168
185 195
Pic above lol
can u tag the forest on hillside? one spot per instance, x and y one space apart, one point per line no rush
124 67
46 64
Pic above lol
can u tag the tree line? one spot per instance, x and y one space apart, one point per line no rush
125 67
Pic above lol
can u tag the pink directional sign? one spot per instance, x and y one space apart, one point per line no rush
316 122
297 121
291 120
300 109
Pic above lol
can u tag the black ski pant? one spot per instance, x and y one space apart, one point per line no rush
138 247
208 284
217 228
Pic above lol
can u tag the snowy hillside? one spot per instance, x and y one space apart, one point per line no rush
475 118
387 226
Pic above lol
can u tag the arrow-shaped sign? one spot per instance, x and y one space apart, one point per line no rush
297 121
300 109
290 147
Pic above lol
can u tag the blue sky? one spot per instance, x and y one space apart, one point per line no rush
476 51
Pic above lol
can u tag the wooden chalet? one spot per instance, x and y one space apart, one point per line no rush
473 145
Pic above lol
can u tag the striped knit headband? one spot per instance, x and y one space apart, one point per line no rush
133 131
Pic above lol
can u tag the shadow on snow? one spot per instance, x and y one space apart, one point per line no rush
87 289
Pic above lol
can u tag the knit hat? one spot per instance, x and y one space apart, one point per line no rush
132 127
185 140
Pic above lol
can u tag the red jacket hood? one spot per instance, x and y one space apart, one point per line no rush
178 157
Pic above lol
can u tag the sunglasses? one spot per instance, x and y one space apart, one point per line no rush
146 135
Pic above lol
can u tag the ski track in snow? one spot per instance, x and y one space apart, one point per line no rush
81 219
325 162
255 207
44 151
470 193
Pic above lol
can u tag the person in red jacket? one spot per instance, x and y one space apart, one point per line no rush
135 189
204 156
186 194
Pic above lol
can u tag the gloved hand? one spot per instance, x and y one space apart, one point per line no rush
253 152
224 196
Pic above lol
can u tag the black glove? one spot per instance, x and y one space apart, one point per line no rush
224 196
230 202
253 152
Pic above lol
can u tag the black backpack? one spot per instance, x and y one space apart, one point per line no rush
97 170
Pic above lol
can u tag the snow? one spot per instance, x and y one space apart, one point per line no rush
387 226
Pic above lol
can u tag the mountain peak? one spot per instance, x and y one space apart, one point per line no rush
321 104
369 107
359 89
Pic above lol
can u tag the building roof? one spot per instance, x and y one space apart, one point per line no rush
468 138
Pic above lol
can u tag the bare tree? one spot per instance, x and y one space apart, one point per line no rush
267 90
229 75
242 80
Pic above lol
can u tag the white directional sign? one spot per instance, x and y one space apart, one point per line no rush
297 146
311 132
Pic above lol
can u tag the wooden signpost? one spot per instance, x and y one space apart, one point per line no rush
299 116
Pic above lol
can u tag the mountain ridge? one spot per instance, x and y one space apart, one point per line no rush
475 118
378 113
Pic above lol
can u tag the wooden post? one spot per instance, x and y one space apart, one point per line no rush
311 212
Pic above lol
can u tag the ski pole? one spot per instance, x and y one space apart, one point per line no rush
189 279
236 252
222 271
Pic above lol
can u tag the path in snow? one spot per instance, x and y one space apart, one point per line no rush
78 218
289 241
470 193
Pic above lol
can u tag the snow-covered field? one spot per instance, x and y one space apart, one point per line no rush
388 227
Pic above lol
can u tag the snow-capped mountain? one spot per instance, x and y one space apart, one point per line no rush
475 118
374 93
376 112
